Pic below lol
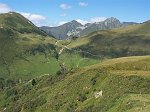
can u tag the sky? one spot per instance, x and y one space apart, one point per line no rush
57 12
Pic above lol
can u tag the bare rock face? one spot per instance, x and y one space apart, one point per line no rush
98 94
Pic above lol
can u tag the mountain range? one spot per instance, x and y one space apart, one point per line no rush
76 29
102 71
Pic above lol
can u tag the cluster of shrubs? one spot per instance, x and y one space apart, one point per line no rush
6 83
31 105
32 30
82 97
44 49
63 70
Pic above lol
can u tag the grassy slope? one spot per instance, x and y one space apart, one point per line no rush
18 23
14 44
39 63
124 90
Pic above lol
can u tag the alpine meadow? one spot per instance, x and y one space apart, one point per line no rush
74 56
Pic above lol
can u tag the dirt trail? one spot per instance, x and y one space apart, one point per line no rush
78 51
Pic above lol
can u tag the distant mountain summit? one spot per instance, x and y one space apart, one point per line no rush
62 32
76 29
104 25
112 23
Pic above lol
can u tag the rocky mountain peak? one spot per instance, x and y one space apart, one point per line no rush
111 19
74 22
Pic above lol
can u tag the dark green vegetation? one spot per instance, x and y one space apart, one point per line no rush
41 74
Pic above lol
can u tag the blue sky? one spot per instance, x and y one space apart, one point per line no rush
56 12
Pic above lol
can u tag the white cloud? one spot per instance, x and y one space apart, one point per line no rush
40 20
92 20
97 19
63 14
4 8
62 22
83 4
65 6
55 24
83 22
35 18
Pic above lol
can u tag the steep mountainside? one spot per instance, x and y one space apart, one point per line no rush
75 29
21 43
118 85
109 23
17 22
61 32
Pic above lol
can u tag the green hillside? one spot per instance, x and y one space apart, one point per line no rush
124 89
27 52
17 46
125 41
